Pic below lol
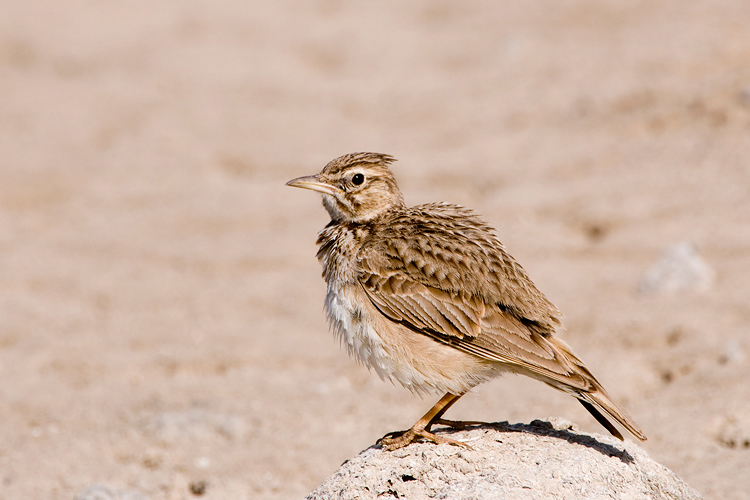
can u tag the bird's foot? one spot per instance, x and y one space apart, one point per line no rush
399 439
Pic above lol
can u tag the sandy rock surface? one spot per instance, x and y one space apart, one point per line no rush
161 325
517 462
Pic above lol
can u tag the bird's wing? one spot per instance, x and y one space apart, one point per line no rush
473 298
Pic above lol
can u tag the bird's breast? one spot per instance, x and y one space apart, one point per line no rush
353 325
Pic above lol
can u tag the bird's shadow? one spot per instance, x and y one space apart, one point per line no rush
543 428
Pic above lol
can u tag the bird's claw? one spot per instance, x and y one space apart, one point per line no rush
401 439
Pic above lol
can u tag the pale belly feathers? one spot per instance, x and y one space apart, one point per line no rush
395 353
353 327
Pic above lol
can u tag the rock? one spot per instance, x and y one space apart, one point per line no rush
679 268
534 461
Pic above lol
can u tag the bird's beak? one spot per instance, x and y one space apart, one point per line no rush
312 182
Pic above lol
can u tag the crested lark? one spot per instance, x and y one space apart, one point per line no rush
428 296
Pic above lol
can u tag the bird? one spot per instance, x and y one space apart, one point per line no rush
427 296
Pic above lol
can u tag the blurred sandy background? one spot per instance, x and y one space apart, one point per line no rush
161 325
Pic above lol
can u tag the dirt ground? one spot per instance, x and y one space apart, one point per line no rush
161 325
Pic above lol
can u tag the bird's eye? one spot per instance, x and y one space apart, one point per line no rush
358 179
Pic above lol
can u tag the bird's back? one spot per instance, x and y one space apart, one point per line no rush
449 248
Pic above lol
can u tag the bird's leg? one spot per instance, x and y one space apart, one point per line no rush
421 430
455 424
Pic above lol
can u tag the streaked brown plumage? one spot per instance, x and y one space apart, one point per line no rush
429 297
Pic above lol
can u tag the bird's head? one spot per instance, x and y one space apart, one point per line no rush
358 187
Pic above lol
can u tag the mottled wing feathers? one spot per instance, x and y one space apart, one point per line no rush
439 270
423 308
449 248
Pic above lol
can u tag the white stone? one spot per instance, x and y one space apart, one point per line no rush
534 461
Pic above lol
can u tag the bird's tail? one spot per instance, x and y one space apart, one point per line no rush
593 397
598 402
